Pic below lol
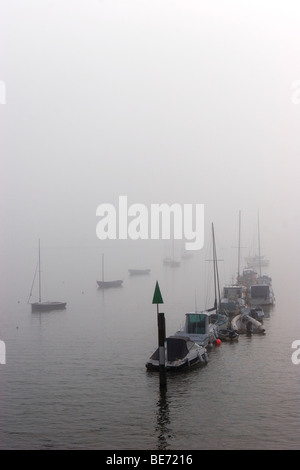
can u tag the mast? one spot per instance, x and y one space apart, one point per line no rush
103 267
214 262
239 248
259 259
40 288
216 273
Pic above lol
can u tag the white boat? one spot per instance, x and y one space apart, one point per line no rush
200 327
245 323
44 306
233 299
234 292
181 354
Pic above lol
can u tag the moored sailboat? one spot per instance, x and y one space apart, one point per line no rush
107 284
44 306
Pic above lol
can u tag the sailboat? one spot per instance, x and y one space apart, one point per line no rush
234 294
105 284
206 327
171 261
222 321
44 306
258 260
261 292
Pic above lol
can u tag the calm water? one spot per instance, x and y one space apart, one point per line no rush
76 379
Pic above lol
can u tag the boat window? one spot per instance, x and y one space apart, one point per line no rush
196 323
260 291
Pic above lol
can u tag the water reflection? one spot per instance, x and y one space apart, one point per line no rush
163 429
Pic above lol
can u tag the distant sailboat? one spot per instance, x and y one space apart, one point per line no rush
170 260
44 306
136 272
105 284
257 261
261 291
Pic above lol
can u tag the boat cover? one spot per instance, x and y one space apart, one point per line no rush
177 347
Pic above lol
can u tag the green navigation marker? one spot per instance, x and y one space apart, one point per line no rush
157 298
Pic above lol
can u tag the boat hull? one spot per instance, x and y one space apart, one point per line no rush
177 366
225 334
108 284
47 306
171 262
261 294
198 327
137 272
181 354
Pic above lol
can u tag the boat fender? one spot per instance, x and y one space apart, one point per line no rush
206 357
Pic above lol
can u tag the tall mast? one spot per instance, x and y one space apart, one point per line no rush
216 273
102 266
214 262
239 248
259 259
40 288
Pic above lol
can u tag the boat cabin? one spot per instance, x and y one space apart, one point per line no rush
248 277
196 323
261 294
234 292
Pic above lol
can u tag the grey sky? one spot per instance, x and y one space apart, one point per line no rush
162 101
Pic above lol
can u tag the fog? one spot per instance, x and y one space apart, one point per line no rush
183 101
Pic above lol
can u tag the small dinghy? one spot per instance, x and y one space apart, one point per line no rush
181 354
257 313
227 334
244 323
